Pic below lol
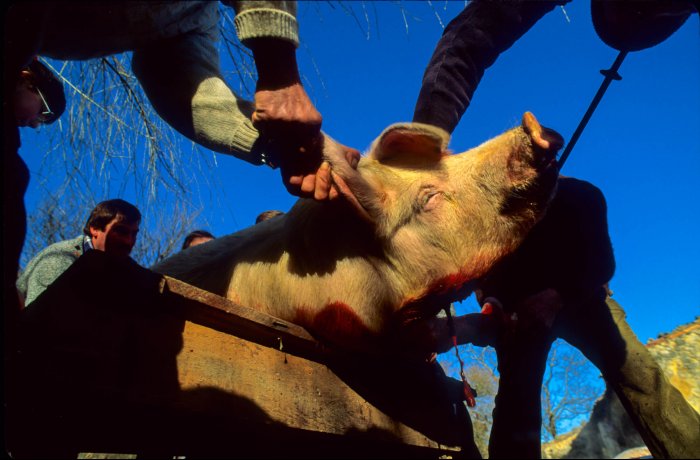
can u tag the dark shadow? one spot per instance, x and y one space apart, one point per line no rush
568 251
96 371
415 392
316 228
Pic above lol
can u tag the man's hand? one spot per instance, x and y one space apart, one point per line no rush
539 311
289 123
318 183
286 115
304 171
292 126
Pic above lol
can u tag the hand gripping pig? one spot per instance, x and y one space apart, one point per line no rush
418 225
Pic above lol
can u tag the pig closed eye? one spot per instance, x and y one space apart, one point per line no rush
431 200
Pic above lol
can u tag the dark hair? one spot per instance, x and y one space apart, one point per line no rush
267 215
106 211
196 234
51 88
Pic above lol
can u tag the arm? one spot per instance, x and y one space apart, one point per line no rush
434 334
183 81
287 119
471 43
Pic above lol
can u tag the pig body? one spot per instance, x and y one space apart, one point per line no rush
418 226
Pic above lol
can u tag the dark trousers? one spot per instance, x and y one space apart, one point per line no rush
669 426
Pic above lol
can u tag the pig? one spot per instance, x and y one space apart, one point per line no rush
416 228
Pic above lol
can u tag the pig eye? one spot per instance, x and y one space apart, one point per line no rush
430 200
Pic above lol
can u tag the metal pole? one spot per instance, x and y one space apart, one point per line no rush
610 75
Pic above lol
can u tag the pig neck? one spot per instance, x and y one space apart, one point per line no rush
323 268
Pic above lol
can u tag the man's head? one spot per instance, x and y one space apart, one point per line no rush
39 97
197 237
265 215
113 226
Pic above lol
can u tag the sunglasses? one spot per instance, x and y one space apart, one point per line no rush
46 114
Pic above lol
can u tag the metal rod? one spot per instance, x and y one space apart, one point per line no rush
610 75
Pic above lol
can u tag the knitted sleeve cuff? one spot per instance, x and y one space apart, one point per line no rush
246 139
267 22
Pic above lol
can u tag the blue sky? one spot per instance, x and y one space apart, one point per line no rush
641 148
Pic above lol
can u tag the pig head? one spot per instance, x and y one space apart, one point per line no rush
417 227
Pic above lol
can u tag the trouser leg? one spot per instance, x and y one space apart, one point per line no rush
669 426
517 415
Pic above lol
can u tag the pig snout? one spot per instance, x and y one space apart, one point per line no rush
545 142
532 167
533 157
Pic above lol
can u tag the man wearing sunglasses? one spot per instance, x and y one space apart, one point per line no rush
176 60
39 97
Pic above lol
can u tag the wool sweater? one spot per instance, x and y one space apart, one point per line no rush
48 265
175 56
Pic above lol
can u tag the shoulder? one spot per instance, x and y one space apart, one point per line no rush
579 195
68 249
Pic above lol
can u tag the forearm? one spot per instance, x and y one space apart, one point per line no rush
183 82
470 44
435 335
222 122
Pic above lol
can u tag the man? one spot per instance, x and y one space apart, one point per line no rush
556 281
112 228
196 237
176 60
39 97
266 215
475 38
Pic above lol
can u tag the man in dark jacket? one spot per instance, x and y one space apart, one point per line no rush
556 281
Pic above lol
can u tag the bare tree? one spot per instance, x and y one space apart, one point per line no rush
165 236
481 374
56 218
110 143
570 388
61 216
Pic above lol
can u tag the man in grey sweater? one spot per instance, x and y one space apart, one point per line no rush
176 60
112 228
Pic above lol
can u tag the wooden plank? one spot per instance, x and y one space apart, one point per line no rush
169 369
219 313
295 391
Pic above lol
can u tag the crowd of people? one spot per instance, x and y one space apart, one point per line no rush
564 294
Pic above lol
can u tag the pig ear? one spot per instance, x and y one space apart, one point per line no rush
411 144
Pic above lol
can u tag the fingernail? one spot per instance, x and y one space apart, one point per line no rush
325 166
